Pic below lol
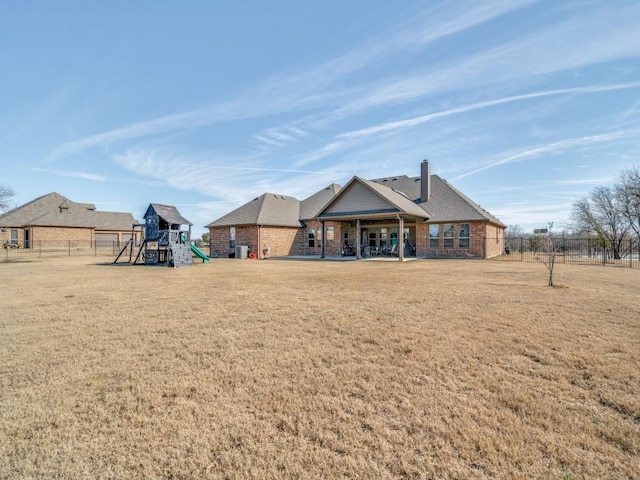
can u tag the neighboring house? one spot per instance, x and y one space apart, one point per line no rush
364 218
53 220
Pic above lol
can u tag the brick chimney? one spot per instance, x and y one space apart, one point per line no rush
425 181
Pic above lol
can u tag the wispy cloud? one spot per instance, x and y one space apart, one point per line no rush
554 148
349 139
293 90
411 122
583 41
62 173
279 136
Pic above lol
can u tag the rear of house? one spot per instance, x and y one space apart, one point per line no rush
402 216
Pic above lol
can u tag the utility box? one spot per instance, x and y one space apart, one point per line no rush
242 251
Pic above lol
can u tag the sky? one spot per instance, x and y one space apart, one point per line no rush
523 105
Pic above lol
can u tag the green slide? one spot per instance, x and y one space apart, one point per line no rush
199 253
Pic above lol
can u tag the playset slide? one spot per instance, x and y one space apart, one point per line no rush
199 253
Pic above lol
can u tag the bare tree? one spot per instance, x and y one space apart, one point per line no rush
628 197
601 213
6 194
514 231
549 252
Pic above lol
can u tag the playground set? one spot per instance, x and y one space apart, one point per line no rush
163 241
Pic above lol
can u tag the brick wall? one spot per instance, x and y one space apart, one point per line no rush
5 235
61 236
281 241
485 241
219 242
495 240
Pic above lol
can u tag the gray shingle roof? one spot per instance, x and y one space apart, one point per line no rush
168 213
396 197
311 206
267 209
55 210
446 203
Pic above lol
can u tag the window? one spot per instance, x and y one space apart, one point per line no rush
14 235
311 237
448 235
319 236
434 236
372 239
232 237
384 237
330 233
463 235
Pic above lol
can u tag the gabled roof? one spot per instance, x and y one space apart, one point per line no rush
267 209
168 213
378 198
362 197
55 210
311 206
446 203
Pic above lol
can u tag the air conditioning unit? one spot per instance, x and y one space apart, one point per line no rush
242 251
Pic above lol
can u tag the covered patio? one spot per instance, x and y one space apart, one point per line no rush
386 221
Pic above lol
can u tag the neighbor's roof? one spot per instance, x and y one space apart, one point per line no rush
168 213
55 210
267 209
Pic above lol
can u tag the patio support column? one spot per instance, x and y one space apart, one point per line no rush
323 237
358 256
401 238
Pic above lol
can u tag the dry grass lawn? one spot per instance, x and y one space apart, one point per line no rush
315 370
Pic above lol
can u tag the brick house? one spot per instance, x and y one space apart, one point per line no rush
402 216
53 220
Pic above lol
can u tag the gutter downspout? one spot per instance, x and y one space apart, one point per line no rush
358 233
400 238
260 255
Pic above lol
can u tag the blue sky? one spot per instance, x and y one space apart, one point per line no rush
523 105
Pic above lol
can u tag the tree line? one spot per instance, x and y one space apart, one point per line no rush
611 213
610 216
6 194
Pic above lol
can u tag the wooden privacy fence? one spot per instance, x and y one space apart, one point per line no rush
581 251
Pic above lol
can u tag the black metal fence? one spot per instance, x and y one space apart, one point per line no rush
581 251
62 248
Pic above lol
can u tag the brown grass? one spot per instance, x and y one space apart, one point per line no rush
292 369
